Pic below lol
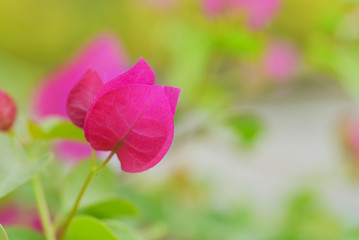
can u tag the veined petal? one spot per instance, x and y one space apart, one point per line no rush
140 73
172 95
140 116
81 96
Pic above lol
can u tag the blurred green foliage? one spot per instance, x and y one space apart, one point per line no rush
217 63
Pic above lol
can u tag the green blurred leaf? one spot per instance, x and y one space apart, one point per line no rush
23 234
190 50
16 168
236 41
121 230
101 187
113 208
3 235
35 130
56 128
247 127
86 228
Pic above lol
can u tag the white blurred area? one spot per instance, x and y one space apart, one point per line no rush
299 149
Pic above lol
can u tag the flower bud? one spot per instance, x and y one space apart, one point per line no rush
8 111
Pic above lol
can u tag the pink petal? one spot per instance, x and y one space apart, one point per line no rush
80 97
102 54
172 95
280 60
37 224
9 215
20 216
140 73
214 7
72 151
8 111
261 12
138 115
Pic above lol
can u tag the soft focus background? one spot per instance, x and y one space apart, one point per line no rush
267 130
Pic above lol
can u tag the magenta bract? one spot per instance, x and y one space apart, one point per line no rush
103 55
8 111
81 95
16 215
258 13
280 61
132 111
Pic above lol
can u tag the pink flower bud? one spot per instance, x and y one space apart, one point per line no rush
8 111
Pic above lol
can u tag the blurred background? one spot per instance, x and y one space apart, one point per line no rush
267 128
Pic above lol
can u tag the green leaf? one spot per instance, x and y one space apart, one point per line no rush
56 128
121 230
101 187
86 228
16 168
3 235
23 234
65 130
247 127
114 208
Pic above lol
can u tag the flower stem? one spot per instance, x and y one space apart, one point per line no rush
93 170
43 209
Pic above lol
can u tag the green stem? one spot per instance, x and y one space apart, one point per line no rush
84 187
43 209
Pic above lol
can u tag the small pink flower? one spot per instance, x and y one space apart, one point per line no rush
280 61
350 135
19 216
214 7
129 110
8 111
258 13
102 54
72 151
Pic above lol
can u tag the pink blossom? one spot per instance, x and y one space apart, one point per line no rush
258 13
280 61
72 151
102 54
16 215
350 132
8 111
214 7
134 113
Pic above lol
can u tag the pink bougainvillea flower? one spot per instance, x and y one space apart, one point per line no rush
258 13
350 135
131 113
19 216
102 54
280 61
8 111
72 151
80 97
214 7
